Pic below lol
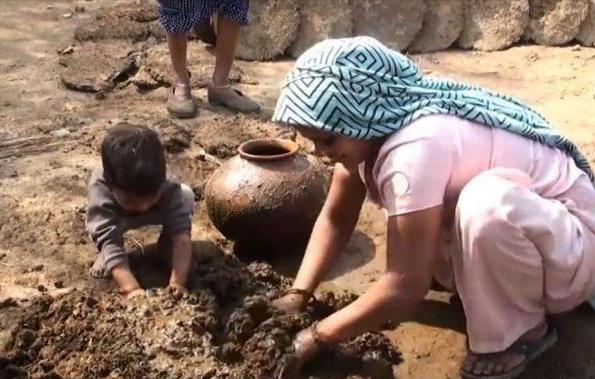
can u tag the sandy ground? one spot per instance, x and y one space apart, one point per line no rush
48 137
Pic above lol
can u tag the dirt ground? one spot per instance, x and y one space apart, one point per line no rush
48 142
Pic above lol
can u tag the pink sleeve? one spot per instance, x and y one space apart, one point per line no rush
414 175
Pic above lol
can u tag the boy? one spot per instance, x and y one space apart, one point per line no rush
178 17
130 190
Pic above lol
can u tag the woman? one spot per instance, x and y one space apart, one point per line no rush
515 198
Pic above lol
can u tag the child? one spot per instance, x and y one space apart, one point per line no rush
515 198
130 190
178 17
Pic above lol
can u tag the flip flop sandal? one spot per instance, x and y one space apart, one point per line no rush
530 350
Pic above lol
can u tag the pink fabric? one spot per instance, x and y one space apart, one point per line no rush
519 255
519 228
430 161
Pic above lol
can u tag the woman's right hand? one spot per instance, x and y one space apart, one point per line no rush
291 303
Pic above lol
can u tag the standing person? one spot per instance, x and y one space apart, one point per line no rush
178 18
516 198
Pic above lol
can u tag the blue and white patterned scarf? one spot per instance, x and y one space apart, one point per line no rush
359 88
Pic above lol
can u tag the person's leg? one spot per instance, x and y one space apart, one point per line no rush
178 17
231 16
517 249
177 44
98 270
228 34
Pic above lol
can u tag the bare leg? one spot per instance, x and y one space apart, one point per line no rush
98 269
180 102
177 44
220 92
228 34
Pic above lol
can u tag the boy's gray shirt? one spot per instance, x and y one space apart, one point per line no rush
107 221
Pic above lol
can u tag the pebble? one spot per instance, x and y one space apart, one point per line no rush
59 284
67 50
41 288
79 9
67 15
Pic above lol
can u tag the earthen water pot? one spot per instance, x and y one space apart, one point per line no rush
267 197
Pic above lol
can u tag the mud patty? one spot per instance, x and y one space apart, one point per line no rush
225 328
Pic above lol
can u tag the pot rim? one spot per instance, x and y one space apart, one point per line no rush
290 146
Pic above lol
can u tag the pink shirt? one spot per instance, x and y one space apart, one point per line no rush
428 162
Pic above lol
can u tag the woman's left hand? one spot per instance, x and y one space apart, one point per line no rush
305 346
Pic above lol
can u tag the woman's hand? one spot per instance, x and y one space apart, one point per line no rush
291 303
305 345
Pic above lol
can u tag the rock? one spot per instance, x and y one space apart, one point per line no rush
102 29
556 22
131 21
586 34
493 25
8 302
176 138
320 20
140 11
273 27
144 80
67 50
401 21
98 67
156 70
442 26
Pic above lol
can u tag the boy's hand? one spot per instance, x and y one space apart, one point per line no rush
181 260
177 288
135 293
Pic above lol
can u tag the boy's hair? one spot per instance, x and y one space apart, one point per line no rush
133 159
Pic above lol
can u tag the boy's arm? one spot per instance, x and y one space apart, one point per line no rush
103 227
181 261
178 224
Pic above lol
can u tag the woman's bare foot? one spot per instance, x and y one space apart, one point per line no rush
508 363
98 269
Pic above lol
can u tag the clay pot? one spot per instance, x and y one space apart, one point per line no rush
267 197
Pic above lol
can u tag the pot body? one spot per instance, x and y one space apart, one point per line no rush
267 204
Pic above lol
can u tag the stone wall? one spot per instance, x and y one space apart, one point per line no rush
416 26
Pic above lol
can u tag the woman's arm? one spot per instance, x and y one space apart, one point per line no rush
330 234
412 242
